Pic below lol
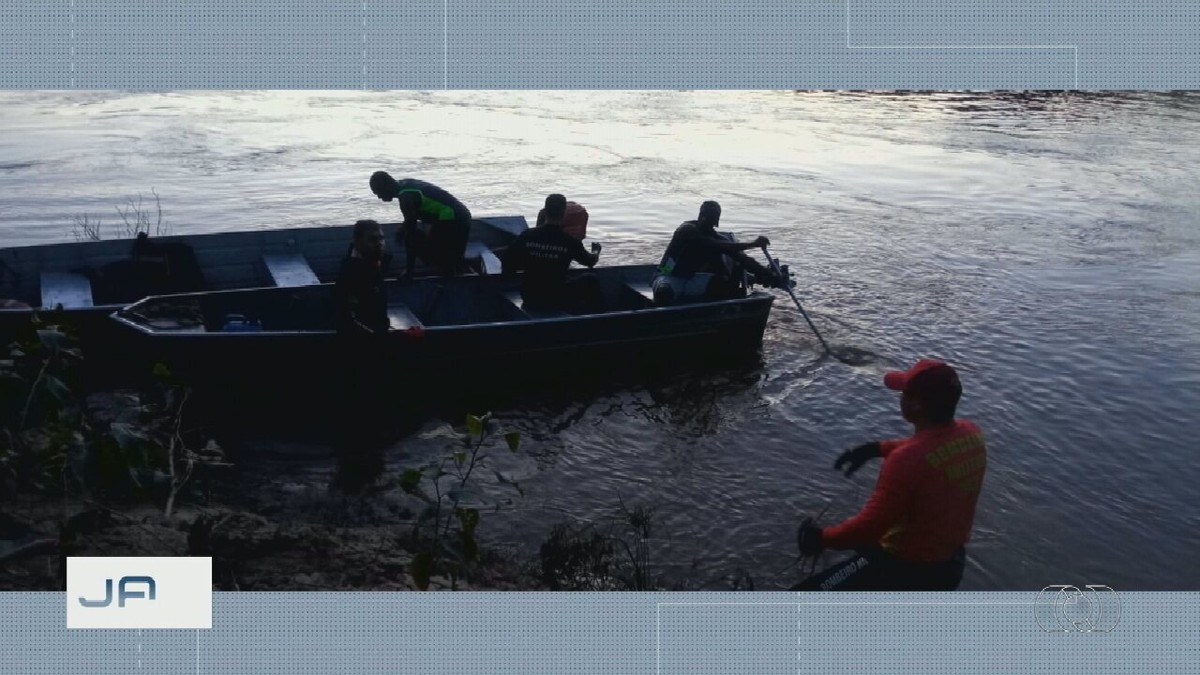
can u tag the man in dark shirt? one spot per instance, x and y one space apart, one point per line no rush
360 295
700 262
436 224
360 300
545 253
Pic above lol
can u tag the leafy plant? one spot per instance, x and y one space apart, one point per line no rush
42 421
445 529
50 442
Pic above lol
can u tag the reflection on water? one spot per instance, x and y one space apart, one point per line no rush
1044 242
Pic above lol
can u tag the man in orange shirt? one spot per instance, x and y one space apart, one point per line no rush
911 534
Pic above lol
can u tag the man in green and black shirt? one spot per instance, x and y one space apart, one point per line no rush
701 262
443 240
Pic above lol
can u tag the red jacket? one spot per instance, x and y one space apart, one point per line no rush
924 501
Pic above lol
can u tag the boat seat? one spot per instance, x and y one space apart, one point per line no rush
642 287
487 260
289 269
400 317
68 289
515 298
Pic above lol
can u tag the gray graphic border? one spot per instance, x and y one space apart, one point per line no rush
619 44
584 633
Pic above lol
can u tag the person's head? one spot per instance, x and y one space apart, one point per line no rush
384 186
555 210
368 239
710 214
930 391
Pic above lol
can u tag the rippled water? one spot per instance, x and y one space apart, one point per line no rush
1045 244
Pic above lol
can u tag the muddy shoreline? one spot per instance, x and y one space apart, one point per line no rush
250 552
120 474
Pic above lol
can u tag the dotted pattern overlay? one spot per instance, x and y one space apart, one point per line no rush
614 633
617 44
35 44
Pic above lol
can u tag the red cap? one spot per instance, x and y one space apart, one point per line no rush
928 380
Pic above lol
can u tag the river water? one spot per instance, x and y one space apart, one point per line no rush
1046 244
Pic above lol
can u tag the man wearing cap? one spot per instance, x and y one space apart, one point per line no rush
545 253
911 534
436 225
699 261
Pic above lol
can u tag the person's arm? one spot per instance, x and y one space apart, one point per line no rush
410 208
733 247
385 266
345 302
580 255
886 447
854 458
513 259
884 509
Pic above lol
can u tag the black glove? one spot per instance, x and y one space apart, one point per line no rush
768 278
857 457
808 538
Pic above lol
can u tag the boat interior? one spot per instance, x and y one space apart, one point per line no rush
110 273
420 303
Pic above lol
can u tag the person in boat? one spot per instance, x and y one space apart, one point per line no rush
701 263
545 253
436 224
360 294
360 298
911 535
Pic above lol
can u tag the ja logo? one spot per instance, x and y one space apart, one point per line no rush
144 592
1068 609
145 588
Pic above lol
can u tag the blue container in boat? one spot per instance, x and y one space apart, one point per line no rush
236 323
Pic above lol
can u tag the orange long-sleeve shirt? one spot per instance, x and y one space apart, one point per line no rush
924 500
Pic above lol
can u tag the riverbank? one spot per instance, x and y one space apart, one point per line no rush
250 552
119 473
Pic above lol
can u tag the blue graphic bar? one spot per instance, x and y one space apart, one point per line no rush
610 633
619 44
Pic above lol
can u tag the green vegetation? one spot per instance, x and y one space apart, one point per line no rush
120 447
444 532
117 453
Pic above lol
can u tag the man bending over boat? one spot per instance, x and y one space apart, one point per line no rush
360 294
701 263
436 225
911 534
545 253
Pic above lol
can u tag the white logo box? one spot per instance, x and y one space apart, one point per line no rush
182 592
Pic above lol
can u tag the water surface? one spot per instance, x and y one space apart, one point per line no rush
1047 245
